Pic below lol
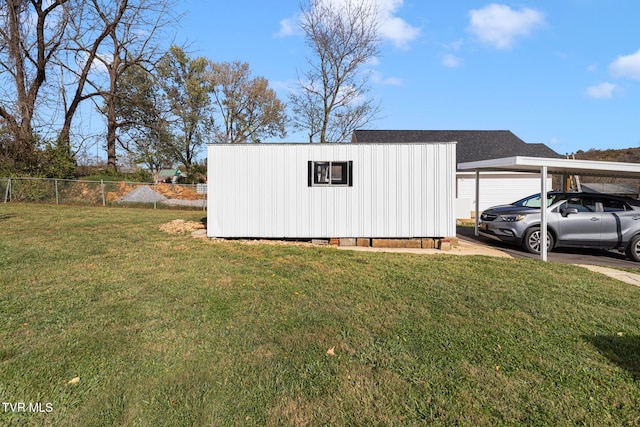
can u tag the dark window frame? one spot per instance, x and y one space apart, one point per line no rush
324 173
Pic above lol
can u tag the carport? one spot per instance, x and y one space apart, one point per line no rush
546 166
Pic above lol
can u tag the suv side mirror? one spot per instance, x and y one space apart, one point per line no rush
568 211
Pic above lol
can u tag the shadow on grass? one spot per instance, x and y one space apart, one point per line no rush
623 350
6 216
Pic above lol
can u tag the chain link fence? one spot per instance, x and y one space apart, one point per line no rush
102 193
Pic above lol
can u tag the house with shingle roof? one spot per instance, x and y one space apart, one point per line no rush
471 146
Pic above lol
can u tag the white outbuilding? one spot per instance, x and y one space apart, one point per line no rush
496 187
309 191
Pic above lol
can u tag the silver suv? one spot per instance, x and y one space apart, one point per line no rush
583 220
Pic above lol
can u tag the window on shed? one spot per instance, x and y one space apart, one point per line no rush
330 173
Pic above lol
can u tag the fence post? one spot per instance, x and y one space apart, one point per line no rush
57 201
104 203
7 193
155 189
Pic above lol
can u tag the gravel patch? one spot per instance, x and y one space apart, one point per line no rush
143 194
178 202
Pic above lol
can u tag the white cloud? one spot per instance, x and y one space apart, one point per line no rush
372 62
283 85
601 91
288 27
398 31
392 28
499 25
626 66
378 78
451 61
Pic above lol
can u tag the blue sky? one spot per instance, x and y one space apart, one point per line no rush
565 73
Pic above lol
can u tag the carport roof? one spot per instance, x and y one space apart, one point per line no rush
549 166
556 166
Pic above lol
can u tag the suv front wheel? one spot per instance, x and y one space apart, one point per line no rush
533 239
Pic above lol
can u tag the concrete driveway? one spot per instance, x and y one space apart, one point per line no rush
564 255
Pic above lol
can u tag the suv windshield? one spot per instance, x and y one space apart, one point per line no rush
534 201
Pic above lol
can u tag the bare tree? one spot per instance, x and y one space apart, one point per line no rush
31 33
331 99
90 43
110 37
133 43
249 109
91 27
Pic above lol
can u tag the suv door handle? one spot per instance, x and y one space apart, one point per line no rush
595 219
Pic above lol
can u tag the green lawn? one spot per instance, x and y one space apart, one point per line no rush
167 330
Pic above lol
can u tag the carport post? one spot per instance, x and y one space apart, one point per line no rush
477 218
543 213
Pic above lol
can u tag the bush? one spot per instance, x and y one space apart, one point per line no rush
140 175
37 158
56 161
198 175
32 190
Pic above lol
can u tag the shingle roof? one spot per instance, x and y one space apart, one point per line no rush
472 145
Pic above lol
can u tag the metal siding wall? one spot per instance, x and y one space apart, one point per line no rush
373 207
448 222
399 190
499 189
417 195
430 168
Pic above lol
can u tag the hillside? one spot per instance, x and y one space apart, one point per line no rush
630 155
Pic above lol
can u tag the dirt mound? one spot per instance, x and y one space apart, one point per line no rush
173 191
179 226
118 190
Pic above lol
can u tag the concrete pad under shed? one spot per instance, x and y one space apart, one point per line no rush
464 247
